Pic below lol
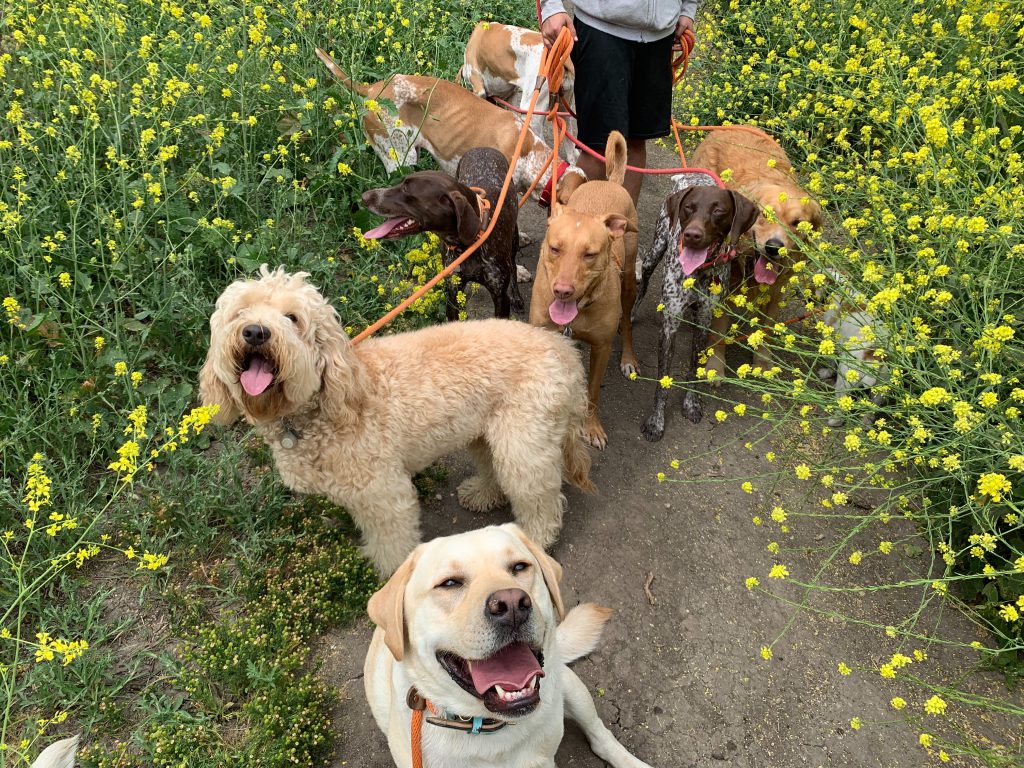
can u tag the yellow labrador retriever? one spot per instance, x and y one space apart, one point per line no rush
469 625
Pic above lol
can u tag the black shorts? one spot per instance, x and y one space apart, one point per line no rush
621 85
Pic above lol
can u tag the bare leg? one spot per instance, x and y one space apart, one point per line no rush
636 155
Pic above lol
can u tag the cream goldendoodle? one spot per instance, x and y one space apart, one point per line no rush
355 422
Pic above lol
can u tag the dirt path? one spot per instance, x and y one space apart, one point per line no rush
683 682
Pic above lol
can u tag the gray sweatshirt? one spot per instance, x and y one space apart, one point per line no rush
641 21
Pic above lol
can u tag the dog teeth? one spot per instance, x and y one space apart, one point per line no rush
519 694
501 691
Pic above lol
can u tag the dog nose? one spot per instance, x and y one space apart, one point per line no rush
369 197
563 291
509 607
255 335
692 237
773 245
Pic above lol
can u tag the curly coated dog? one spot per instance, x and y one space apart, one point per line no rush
354 423
433 201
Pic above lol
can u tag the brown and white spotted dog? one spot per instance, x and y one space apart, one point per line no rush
698 227
433 201
416 112
502 61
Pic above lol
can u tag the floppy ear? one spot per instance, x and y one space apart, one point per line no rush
466 217
567 184
617 225
549 568
744 214
674 205
213 391
387 607
815 208
340 379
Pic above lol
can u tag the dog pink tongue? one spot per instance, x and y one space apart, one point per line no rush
385 229
691 258
512 668
258 376
563 312
764 272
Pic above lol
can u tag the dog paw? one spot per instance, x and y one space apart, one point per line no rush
835 421
595 435
629 368
478 496
525 240
692 408
653 429
716 370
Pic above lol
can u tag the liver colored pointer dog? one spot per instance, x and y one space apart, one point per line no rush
432 201
697 228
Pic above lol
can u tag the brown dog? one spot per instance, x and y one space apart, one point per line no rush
586 283
413 113
762 172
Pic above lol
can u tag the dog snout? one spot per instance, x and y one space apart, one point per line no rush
255 335
508 607
370 197
563 291
693 236
773 245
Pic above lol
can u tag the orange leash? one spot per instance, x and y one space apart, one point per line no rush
555 55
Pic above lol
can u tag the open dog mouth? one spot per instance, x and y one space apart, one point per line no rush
508 683
258 373
692 259
400 226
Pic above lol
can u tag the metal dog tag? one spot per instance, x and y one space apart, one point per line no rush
567 332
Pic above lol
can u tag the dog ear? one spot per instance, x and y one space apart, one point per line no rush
387 607
549 568
213 391
815 209
567 184
466 217
744 214
616 224
339 378
674 205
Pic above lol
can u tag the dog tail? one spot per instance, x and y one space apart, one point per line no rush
615 158
60 754
348 82
576 460
580 631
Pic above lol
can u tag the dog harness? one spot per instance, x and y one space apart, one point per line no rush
474 726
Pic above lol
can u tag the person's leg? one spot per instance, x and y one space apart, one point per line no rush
636 155
591 166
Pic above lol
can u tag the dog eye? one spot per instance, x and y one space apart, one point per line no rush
554 249
520 567
292 317
449 584
589 256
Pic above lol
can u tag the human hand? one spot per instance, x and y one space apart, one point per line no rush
552 25
685 23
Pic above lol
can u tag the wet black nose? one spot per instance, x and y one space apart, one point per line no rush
255 335
508 607
772 246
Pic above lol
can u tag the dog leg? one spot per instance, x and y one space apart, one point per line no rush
719 330
451 300
481 492
692 407
527 462
629 364
387 512
771 312
654 427
593 432
579 706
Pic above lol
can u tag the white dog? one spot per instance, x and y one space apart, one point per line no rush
468 625
355 422
860 341
60 754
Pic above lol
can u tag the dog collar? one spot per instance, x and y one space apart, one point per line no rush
475 726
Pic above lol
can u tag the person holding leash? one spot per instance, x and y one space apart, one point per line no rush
622 53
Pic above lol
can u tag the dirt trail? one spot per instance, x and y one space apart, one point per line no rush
681 682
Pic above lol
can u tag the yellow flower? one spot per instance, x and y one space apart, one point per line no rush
925 740
666 382
844 670
778 572
856 723
994 485
120 368
935 706
752 581
897 702
766 652
802 471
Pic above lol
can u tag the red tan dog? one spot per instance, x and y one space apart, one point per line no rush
447 121
586 282
761 172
